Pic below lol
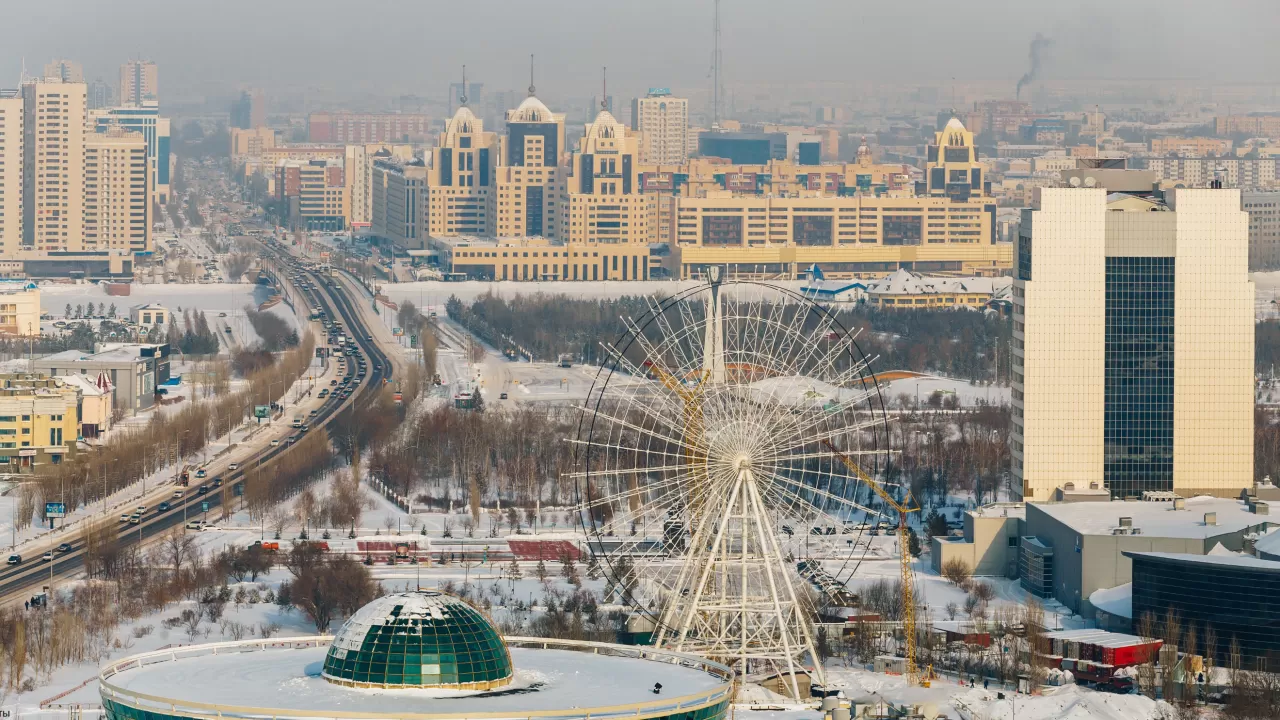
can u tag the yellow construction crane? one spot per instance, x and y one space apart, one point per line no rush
695 457
908 593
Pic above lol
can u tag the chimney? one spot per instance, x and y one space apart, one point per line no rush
1211 518
1179 503
1126 522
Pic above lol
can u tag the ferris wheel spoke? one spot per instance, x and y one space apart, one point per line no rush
620 422
781 482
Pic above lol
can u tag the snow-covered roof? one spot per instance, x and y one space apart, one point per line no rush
1157 519
905 282
1233 560
1269 543
1117 600
531 110
289 679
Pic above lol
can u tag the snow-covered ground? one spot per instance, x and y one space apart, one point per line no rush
966 393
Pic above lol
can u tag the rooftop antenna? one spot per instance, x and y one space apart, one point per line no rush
462 97
22 79
716 59
604 89
531 89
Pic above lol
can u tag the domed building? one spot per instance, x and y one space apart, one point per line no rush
414 654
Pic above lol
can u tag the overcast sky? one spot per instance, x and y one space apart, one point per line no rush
416 46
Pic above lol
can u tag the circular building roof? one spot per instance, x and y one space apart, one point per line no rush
422 639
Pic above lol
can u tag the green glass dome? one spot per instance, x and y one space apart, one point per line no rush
420 639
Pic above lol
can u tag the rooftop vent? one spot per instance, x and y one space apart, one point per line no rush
1211 518
1179 503
1261 508
1126 522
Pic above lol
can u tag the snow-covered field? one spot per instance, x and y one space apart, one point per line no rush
967 394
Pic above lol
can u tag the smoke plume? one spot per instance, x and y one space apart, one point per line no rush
1038 45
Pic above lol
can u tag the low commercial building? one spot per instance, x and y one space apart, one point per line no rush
540 259
1082 547
95 403
904 289
134 369
989 545
1235 596
149 314
39 421
19 308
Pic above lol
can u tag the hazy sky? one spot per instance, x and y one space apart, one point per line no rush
416 46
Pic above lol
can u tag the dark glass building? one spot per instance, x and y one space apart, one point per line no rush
1236 596
742 148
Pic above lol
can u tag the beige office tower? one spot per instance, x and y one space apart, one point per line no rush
1132 344
116 207
64 70
357 169
664 122
529 180
605 204
461 185
10 171
139 81
53 163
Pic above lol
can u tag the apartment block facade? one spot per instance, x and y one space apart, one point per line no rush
11 176
139 82
117 207
460 188
529 180
361 128
663 121
54 116
1133 344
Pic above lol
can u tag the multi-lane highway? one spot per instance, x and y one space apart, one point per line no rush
363 378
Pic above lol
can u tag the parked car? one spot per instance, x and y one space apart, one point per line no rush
195 525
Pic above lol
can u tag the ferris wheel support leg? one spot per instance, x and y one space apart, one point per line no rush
766 528
709 562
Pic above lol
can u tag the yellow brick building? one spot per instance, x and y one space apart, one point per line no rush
539 259
39 421
460 187
605 203
529 180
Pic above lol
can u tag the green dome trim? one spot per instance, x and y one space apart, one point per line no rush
422 639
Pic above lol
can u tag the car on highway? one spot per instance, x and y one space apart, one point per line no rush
201 472
163 507
125 517
46 557
233 466
15 559
217 482
203 489
64 547
177 493
275 442
333 382
503 396
135 519
312 413
324 393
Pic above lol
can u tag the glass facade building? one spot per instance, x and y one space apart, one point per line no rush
1138 415
1238 597
418 639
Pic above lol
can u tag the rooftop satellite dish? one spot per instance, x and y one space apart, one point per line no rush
1090 182
1075 182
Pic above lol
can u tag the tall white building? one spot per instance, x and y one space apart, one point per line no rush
1133 344
139 81
10 171
664 120
54 116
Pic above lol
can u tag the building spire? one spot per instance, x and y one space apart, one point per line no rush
462 97
604 88
532 91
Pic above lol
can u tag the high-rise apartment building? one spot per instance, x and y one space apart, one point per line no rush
249 111
64 70
316 192
358 170
101 95
605 204
461 184
398 192
143 118
1133 345
529 182
11 159
1263 207
117 205
54 116
139 81
664 122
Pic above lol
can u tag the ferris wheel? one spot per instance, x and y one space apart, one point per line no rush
709 471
